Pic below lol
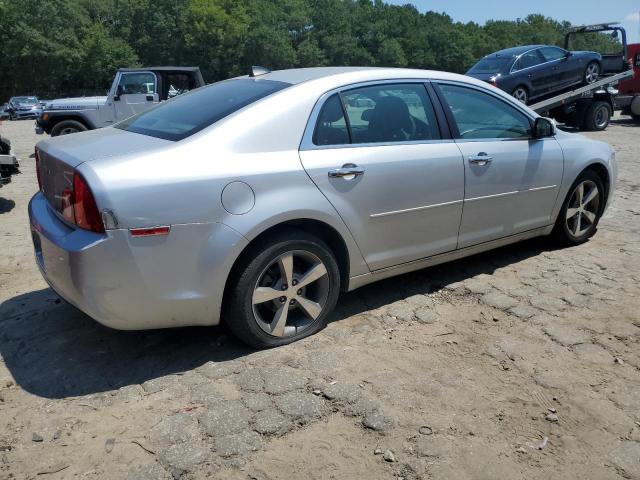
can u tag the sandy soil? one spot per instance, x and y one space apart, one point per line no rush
522 363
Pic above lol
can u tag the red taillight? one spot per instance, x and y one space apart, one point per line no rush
85 209
38 170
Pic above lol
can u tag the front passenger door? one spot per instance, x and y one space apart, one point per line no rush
135 93
511 179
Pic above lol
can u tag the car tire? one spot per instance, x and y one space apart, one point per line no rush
635 118
521 93
66 127
591 73
258 293
569 228
597 116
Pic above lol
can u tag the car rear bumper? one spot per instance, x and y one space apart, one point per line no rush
136 283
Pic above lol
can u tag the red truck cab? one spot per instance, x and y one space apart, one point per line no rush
628 99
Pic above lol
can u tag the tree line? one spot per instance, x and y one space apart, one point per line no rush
54 48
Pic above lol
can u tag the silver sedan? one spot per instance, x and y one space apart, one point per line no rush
258 199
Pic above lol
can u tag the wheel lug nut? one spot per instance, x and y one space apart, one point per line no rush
299 292
284 287
293 302
283 299
294 282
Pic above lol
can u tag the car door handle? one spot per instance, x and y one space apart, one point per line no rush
348 169
480 159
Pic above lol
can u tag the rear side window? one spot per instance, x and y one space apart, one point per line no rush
377 114
490 65
529 59
189 113
480 115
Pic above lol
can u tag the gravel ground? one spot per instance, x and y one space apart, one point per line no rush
521 363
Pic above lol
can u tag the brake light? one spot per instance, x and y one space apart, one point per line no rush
38 176
85 209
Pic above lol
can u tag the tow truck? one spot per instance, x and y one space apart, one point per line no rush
590 107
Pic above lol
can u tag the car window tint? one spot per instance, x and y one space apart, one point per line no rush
331 128
481 115
529 59
189 113
552 53
136 83
390 113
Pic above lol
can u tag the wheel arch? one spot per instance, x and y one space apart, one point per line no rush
603 172
78 117
327 233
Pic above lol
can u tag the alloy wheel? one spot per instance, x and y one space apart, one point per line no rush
68 130
583 208
291 293
592 73
520 94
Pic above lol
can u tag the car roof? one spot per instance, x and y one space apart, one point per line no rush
345 75
160 69
515 51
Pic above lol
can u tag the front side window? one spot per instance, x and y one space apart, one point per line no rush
481 115
553 53
136 83
390 113
187 114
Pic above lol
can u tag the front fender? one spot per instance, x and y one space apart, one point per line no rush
50 117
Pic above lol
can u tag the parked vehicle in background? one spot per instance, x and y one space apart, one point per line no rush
628 100
295 185
133 90
532 71
8 162
20 108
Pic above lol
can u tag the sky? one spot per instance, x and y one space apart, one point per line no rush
578 12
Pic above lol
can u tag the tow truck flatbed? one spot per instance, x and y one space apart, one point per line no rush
586 91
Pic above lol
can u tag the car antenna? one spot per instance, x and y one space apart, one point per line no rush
256 71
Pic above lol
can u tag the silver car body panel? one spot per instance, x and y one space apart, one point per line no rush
406 218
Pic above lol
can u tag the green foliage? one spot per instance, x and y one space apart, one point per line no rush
73 47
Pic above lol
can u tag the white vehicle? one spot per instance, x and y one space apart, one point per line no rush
134 90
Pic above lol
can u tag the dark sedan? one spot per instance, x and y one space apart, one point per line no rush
533 71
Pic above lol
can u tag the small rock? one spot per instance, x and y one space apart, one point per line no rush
377 421
108 445
552 410
521 450
389 456
35 437
425 430
317 392
377 451
618 361
551 417
57 434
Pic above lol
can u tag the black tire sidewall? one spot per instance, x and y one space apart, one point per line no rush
55 131
238 312
590 122
561 231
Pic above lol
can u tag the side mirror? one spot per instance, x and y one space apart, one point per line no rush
543 128
119 92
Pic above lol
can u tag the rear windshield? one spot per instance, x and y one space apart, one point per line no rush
189 113
490 65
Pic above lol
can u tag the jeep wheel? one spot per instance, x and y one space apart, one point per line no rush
65 127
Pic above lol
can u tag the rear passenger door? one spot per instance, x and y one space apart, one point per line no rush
378 154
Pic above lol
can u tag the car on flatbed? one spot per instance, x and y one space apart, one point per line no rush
133 90
532 71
